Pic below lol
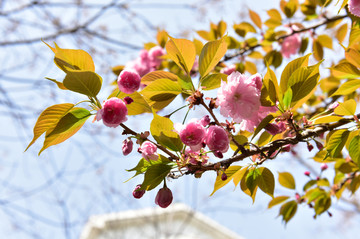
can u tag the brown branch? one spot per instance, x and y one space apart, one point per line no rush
127 130
251 48
272 146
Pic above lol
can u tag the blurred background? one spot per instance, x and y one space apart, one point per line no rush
53 195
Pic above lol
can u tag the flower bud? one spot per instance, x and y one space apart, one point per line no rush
128 100
205 121
127 146
324 166
310 147
218 154
164 197
138 193
223 176
307 173
319 145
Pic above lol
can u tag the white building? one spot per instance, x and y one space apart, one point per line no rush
175 222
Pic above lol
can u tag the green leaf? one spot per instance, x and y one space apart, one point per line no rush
346 108
290 68
277 200
162 129
287 180
252 179
287 98
244 187
309 184
243 28
48 120
336 142
69 59
266 181
182 52
347 88
143 165
66 127
210 55
213 81
270 91
322 204
288 210
273 58
156 75
154 175
161 92
303 81
263 124
83 82
230 173
354 149
290 9
345 70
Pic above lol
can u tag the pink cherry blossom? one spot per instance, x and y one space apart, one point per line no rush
254 121
290 45
239 97
148 151
195 157
217 139
164 197
354 7
154 56
113 113
140 65
228 70
192 134
128 81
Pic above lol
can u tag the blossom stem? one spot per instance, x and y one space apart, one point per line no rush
127 130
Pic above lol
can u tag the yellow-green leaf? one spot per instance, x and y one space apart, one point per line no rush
273 58
277 200
243 28
354 150
59 84
266 181
154 175
288 210
162 129
210 55
48 119
155 75
286 180
348 87
346 108
138 106
213 81
69 59
83 82
345 70
352 55
336 141
219 183
326 119
341 32
162 38
66 127
182 52
290 68
325 41
255 18
318 51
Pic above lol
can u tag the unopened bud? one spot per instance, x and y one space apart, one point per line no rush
319 145
307 173
127 146
310 147
138 193
324 166
205 121
164 197
128 100
223 176
218 154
